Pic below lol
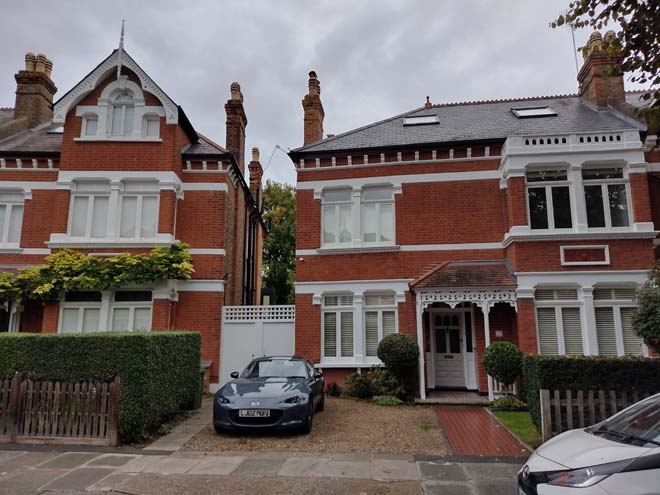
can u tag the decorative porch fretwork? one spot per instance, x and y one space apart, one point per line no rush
482 298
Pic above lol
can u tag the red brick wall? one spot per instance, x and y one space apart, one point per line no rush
32 317
161 314
641 203
308 220
517 201
308 328
51 314
527 340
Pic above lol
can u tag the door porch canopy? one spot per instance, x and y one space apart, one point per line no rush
483 283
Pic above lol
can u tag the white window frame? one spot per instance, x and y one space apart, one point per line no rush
378 203
11 201
338 310
617 305
145 125
337 208
80 306
90 212
549 201
131 306
86 119
379 309
138 212
558 304
604 183
114 106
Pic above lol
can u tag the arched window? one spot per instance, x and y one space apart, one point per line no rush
122 113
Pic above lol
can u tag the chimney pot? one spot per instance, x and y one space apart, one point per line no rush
30 62
428 103
41 63
601 81
236 94
314 84
236 122
49 67
255 154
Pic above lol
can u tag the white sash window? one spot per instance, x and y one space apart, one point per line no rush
11 219
337 326
379 320
548 200
558 322
606 198
336 220
614 312
377 223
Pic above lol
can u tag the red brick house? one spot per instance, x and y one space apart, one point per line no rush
526 220
114 165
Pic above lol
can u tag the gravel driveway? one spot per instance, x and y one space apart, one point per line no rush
345 426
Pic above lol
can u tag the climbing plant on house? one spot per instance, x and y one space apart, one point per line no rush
72 270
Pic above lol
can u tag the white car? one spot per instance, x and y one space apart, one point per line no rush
619 456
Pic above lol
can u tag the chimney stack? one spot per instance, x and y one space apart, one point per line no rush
313 108
236 122
256 173
35 90
600 78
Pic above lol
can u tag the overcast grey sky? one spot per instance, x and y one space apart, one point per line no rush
374 58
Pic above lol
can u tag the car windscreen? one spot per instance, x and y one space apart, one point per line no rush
276 368
639 422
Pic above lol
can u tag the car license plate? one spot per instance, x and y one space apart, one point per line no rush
254 413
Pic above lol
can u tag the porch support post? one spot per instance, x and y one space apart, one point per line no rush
420 345
485 308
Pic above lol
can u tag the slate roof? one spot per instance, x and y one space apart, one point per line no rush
204 147
634 98
477 121
466 274
6 114
40 139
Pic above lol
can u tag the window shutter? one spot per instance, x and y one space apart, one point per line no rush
624 293
547 325
371 332
601 294
632 344
544 294
567 294
346 334
606 332
330 334
572 330
389 322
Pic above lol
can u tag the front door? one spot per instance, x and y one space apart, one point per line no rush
447 345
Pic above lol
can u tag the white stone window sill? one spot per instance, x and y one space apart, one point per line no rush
130 139
365 362
10 248
63 241
357 249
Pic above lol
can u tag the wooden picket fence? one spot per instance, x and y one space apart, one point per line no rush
59 412
563 411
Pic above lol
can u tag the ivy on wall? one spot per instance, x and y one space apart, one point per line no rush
69 270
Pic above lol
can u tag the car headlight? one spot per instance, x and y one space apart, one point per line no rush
223 400
584 477
296 399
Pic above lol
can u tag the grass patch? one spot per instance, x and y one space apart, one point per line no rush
520 423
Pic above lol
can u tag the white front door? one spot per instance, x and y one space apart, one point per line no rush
448 348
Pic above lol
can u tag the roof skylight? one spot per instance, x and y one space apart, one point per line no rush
56 130
531 112
421 120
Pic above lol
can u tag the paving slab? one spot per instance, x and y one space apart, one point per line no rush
259 467
140 463
110 482
171 465
442 471
301 466
491 471
5 455
30 480
69 460
219 465
392 469
344 469
78 479
111 460
435 488
496 487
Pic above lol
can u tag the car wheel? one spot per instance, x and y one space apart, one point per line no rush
307 427
321 404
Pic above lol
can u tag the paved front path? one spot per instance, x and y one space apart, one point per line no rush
472 431
35 472
184 431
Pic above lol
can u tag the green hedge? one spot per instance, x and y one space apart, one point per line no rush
159 371
624 374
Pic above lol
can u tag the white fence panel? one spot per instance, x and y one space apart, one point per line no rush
253 331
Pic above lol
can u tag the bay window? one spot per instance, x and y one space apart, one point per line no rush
558 321
614 309
337 326
89 215
139 216
605 197
377 209
548 200
11 219
379 320
336 220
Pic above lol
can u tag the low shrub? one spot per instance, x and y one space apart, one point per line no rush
384 382
621 374
358 385
333 390
508 403
159 371
399 353
503 361
387 400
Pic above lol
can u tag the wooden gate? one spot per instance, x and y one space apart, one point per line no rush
59 412
563 411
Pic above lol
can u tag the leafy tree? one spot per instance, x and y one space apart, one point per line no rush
503 361
280 243
637 40
646 321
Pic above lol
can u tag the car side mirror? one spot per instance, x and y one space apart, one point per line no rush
318 375
234 374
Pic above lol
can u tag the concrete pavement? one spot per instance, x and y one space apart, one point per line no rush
26 472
